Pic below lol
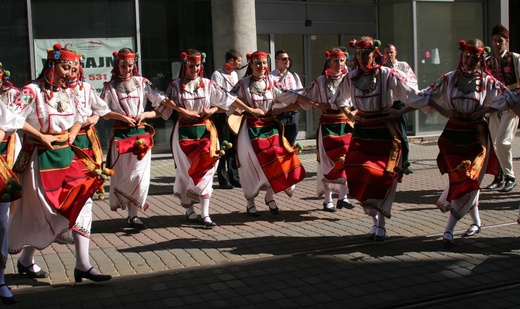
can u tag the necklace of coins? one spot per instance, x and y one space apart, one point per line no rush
366 83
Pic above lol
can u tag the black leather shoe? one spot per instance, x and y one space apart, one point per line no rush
509 185
250 213
208 224
192 220
380 237
472 230
275 210
329 206
497 182
135 224
22 269
8 300
226 186
236 184
79 275
342 203
447 239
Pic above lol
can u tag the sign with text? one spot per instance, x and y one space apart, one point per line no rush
98 52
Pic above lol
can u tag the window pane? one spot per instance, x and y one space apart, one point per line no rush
440 26
14 51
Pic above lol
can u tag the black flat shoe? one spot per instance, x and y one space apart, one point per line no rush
22 269
273 211
195 220
380 237
208 224
11 300
252 214
133 223
447 239
79 275
472 230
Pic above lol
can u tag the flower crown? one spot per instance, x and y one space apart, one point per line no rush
193 58
336 55
371 45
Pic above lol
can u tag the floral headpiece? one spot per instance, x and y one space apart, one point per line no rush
55 55
193 58
365 44
257 56
125 57
336 55
481 52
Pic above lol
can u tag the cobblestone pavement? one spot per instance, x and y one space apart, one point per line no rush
304 257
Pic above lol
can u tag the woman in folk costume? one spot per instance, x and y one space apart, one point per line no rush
468 93
373 159
8 92
10 187
334 131
131 143
91 107
57 181
266 160
194 141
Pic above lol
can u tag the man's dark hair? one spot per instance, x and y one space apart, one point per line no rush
232 54
278 52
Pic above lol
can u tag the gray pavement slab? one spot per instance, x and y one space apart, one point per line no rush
304 257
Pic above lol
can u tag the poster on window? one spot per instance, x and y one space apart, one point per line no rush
98 52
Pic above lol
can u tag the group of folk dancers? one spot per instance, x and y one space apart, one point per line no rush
60 162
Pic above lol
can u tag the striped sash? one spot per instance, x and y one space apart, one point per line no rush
67 174
199 141
336 133
462 154
277 158
372 157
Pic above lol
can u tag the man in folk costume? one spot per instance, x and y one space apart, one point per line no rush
468 93
131 143
505 66
226 77
373 159
57 181
194 141
287 80
266 159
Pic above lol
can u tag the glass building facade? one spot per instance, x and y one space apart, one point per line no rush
425 33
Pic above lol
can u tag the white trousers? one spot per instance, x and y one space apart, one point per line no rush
502 132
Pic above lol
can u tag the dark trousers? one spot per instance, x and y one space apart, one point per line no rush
227 171
402 124
290 123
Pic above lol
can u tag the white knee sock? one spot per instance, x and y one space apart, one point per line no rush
343 193
452 221
474 214
269 194
27 258
82 245
328 195
190 211
4 290
132 211
204 209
